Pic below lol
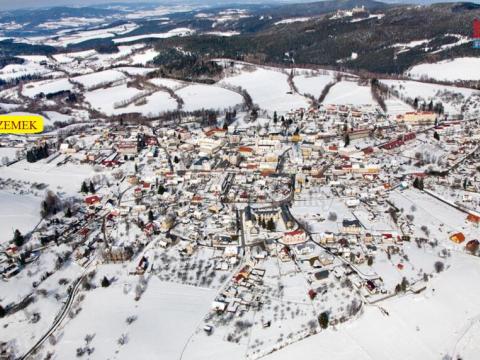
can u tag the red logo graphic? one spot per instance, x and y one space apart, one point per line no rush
476 29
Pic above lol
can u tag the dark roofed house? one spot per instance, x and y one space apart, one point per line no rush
351 226
321 275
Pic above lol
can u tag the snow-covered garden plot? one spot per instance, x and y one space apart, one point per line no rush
268 88
433 218
20 212
468 199
425 154
171 33
111 100
321 214
98 79
467 68
452 97
46 87
349 92
197 97
429 325
396 106
286 307
313 82
166 316
153 105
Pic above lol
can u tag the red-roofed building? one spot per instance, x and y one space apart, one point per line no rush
473 218
294 237
216 132
92 200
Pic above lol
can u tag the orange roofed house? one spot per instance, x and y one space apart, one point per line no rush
457 238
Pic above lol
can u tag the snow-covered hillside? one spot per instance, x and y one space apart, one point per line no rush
467 68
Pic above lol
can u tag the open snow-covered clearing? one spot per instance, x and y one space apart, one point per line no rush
466 68
197 97
350 92
109 100
168 83
144 57
313 82
46 87
20 212
15 71
66 178
153 105
82 36
171 33
292 20
134 71
268 88
222 33
69 57
167 315
100 78
9 152
54 116
8 107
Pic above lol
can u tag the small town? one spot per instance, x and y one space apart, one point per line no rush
303 218
239 180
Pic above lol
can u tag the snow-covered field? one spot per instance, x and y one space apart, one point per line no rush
143 58
108 100
167 315
349 92
268 88
47 87
169 83
82 36
171 33
292 20
156 104
67 178
69 57
15 71
96 79
197 97
313 82
467 68
452 97
20 212
134 71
